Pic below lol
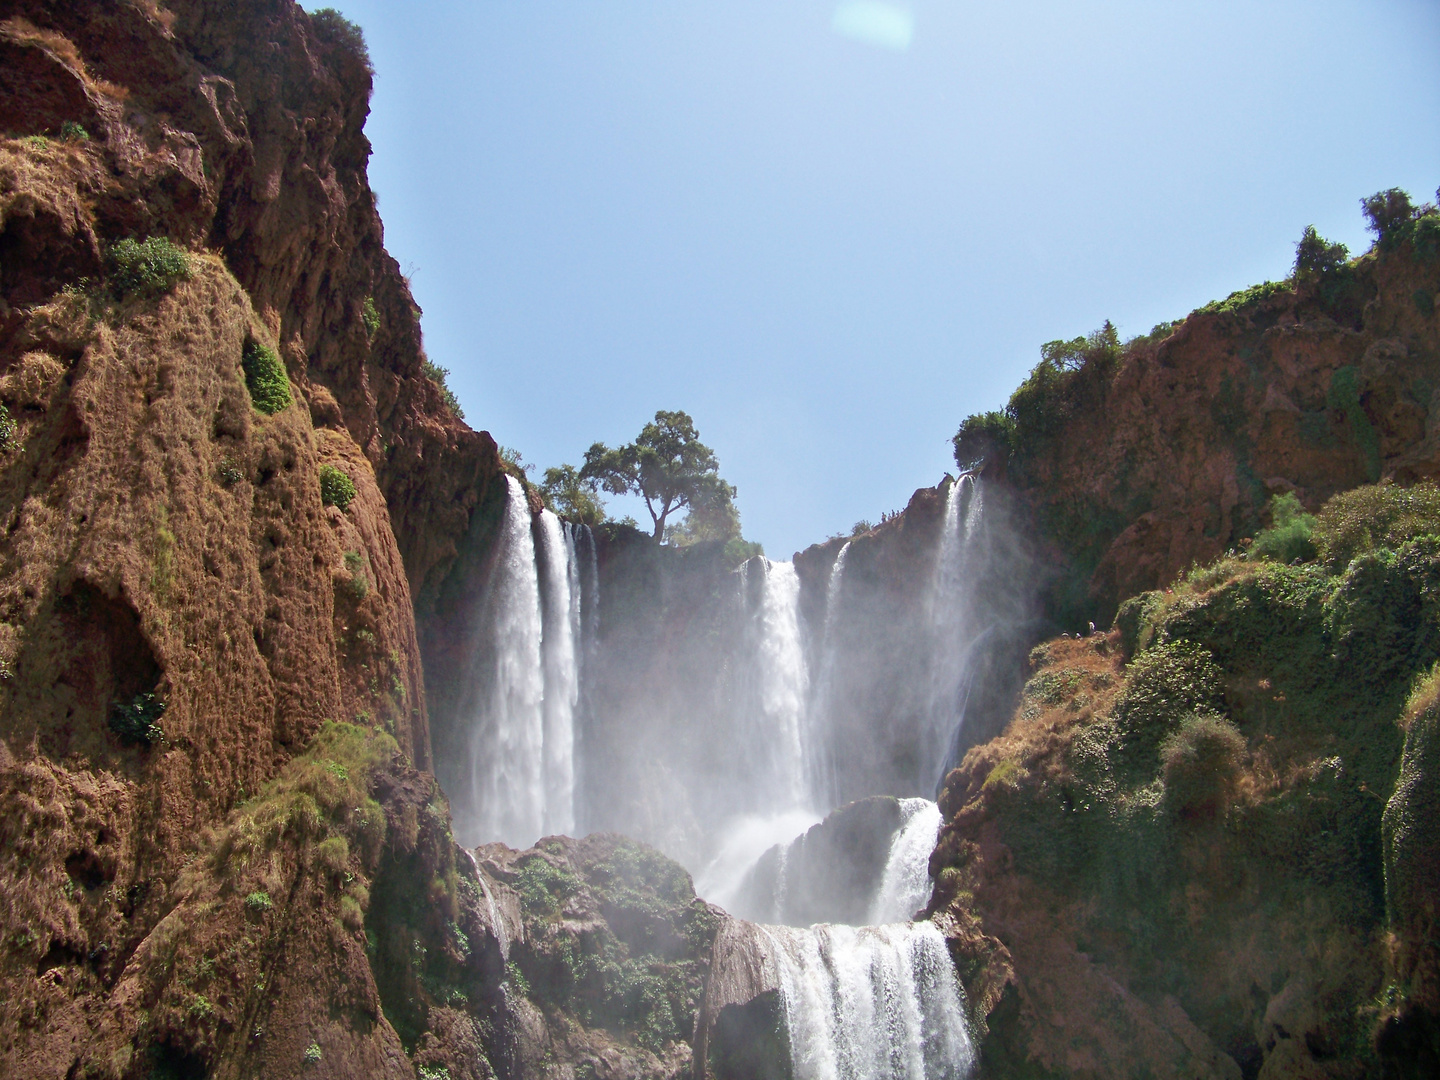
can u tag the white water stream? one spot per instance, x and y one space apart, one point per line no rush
905 885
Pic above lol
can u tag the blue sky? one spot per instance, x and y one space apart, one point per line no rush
830 231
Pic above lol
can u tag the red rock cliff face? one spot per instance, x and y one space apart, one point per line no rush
1169 455
162 536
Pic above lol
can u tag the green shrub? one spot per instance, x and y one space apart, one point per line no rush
983 438
437 1072
200 1008
312 1054
1200 763
36 142
148 268
1243 298
370 316
359 585
1387 214
336 487
1165 683
229 471
259 902
70 131
544 887
265 378
7 427
333 28
1289 535
1316 257
437 375
138 720
1374 516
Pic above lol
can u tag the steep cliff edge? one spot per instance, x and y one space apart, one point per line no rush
1139 461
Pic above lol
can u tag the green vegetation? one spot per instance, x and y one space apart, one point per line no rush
358 587
36 142
1246 298
7 427
1201 763
312 1054
1289 537
639 971
333 28
1316 258
138 720
336 487
149 268
258 902
370 316
435 1072
265 377
228 471
438 375
571 497
70 131
1366 519
671 469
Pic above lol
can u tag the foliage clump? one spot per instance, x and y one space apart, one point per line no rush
258 901
137 721
437 375
148 268
1374 516
265 377
1288 539
370 317
572 497
333 28
336 487
1201 763
71 131
1317 258
7 427
671 469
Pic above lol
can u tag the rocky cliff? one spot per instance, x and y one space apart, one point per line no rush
229 487
1139 461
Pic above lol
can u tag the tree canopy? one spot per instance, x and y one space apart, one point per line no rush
671 469
572 497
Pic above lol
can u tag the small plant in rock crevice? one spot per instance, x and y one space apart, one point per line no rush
148 268
336 487
7 427
265 377
138 720
71 131
370 316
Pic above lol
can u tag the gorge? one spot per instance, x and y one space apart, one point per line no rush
404 776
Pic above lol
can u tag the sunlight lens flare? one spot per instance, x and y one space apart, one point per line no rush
885 25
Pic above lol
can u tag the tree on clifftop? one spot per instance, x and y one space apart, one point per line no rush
667 466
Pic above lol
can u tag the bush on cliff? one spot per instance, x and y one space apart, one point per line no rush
336 487
1316 258
1378 515
147 268
333 28
1201 764
265 377
1289 537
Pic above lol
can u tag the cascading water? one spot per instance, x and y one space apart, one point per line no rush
519 780
952 625
821 753
905 885
560 643
782 683
871 1003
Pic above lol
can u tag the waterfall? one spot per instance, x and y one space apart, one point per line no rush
871 1003
823 786
505 797
952 627
518 782
782 684
560 643
905 885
